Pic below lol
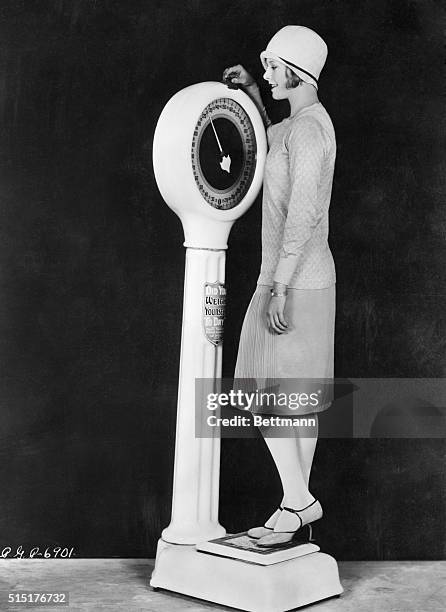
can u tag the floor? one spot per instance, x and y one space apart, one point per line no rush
122 585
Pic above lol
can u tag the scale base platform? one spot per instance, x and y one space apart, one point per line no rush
246 585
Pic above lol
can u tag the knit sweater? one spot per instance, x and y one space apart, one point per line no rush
296 197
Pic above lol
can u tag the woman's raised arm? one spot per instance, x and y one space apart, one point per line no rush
238 76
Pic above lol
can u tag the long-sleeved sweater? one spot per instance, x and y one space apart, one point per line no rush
296 197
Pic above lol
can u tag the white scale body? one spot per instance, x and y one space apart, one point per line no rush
209 152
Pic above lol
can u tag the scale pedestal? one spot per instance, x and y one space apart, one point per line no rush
245 585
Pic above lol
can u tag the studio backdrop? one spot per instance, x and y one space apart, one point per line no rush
92 264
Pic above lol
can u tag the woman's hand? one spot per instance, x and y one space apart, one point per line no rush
237 75
274 314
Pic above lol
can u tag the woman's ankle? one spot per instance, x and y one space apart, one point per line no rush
298 501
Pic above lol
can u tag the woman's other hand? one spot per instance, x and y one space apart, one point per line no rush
239 76
274 314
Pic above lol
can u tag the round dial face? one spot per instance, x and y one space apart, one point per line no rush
223 153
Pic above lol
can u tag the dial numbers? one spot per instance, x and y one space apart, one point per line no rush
223 153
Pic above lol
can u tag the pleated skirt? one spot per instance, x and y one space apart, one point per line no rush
305 351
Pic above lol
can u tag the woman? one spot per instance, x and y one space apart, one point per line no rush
288 331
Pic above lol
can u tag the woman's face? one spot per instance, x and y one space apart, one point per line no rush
275 74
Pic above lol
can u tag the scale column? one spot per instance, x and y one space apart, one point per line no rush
197 459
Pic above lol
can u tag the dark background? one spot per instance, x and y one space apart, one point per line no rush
91 267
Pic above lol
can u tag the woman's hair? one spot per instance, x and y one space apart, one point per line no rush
292 79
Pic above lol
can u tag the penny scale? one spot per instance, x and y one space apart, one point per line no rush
209 152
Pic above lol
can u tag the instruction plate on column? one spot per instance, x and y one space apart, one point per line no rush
214 303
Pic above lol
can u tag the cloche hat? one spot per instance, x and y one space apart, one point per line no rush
299 48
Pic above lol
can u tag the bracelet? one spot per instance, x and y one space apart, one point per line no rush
274 294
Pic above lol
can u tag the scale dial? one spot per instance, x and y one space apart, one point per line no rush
224 153
209 150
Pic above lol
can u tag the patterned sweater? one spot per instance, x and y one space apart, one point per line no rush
296 197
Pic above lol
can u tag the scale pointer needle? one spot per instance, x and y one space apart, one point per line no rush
225 163
216 137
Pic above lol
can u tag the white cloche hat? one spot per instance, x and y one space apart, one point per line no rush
299 48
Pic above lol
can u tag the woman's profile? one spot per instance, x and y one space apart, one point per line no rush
288 330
